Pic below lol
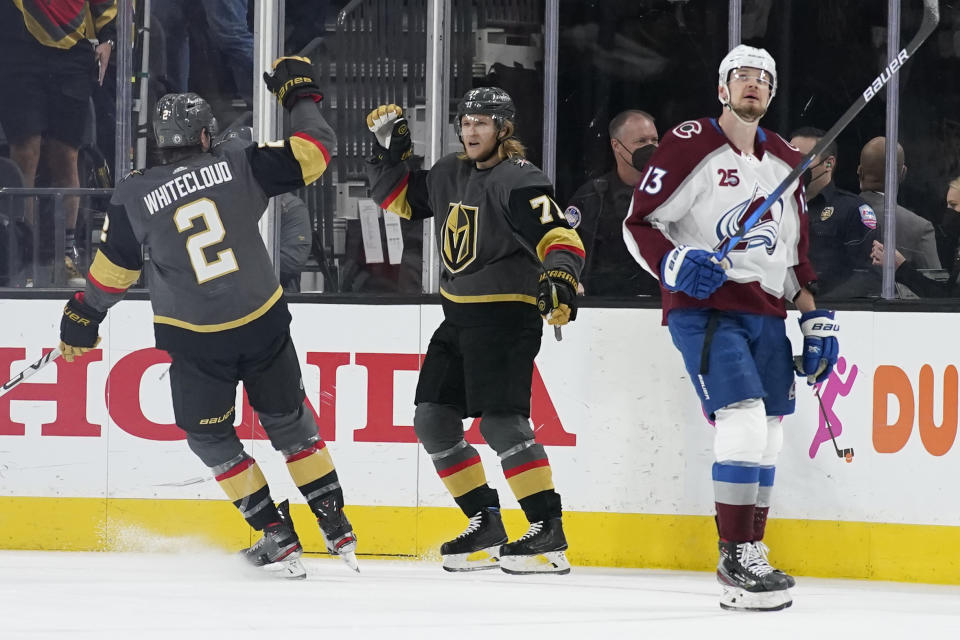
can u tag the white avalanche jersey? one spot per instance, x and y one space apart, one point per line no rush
697 190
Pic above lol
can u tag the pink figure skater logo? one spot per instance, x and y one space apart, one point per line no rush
829 390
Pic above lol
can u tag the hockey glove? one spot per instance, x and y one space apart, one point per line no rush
820 346
692 271
557 297
292 79
387 123
79 327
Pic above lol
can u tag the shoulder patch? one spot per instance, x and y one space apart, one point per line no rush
520 162
573 216
868 217
687 129
135 172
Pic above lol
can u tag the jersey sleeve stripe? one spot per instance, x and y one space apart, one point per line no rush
311 154
559 238
109 277
223 326
566 247
396 201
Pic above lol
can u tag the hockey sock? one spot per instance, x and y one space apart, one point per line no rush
541 506
735 487
530 477
313 472
461 471
763 502
243 482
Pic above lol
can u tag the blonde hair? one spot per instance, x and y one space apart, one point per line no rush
954 184
509 147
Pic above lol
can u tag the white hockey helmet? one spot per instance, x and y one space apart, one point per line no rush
746 56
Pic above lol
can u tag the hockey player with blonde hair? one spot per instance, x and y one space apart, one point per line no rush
508 256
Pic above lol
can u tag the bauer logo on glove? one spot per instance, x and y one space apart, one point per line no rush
820 346
292 79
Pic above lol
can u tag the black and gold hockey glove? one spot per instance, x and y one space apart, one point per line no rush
79 327
292 79
557 297
387 123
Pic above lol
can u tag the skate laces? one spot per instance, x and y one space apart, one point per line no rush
753 559
535 528
475 521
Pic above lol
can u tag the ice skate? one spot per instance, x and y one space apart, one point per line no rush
540 550
749 582
337 531
478 547
278 551
765 552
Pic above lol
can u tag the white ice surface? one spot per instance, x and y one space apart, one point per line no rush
207 595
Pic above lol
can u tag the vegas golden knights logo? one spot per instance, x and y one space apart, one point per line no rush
459 237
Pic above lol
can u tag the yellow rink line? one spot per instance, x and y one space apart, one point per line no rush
864 550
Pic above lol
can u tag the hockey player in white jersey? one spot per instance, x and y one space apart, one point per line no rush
700 186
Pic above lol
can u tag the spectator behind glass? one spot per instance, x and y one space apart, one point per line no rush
842 226
948 230
598 208
907 273
47 75
295 234
915 236
228 31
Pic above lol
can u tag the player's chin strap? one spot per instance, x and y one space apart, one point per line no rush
736 115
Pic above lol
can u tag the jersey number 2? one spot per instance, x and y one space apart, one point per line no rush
197 242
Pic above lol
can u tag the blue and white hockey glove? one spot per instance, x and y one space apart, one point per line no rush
692 271
820 346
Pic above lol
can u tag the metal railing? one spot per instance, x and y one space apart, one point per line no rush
36 274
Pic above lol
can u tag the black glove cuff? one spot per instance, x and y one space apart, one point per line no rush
80 324
81 309
561 276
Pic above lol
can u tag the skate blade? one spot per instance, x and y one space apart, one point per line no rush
488 558
735 599
550 562
348 553
289 569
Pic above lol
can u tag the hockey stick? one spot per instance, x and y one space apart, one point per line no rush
557 333
29 371
846 454
931 16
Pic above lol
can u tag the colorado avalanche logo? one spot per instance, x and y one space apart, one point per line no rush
687 129
763 234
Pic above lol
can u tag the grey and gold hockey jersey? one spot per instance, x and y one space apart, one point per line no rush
211 281
483 218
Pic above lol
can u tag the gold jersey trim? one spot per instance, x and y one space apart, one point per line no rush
223 326
111 275
493 297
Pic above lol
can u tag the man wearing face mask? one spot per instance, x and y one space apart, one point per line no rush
597 209
842 226
948 229
907 273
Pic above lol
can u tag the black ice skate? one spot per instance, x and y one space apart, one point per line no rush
478 547
749 582
765 551
279 550
540 550
337 531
